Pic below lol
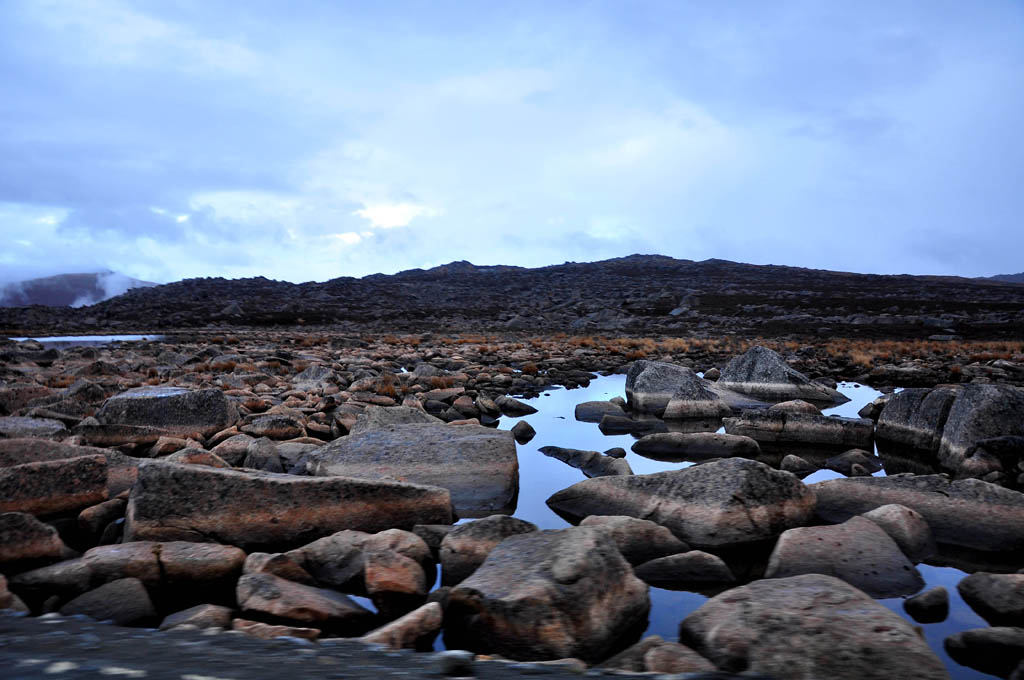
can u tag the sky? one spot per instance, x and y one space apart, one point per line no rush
310 140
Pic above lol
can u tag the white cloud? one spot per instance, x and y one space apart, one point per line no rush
349 237
390 215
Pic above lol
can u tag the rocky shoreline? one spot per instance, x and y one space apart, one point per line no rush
258 481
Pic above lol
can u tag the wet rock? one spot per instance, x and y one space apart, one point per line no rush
267 631
845 463
694 566
763 373
616 452
857 551
592 463
997 650
17 427
268 596
191 502
805 628
997 598
125 602
548 595
931 606
915 417
611 425
968 513
55 486
94 519
478 465
513 407
593 411
908 528
802 428
722 502
466 546
873 409
980 412
173 409
523 432
639 540
690 446
8 600
261 454
24 540
275 426
375 417
409 631
200 616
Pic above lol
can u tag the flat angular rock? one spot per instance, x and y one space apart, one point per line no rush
125 602
17 427
968 513
802 428
275 426
856 551
278 564
172 409
200 616
763 373
639 540
162 564
24 540
548 595
693 446
54 486
199 503
997 650
908 528
718 503
807 628
478 465
694 566
591 463
980 412
67 579
593 411
998 598
266 595
853 462
915 417
268 631
409 631
466 546
375 417
513 407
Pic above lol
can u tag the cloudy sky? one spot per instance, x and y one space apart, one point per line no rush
309 140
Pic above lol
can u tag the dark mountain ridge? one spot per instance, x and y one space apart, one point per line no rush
637 294
70 290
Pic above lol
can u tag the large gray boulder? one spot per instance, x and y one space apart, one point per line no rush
998 598
780 427
980 412
466 546
374 417
968 513
651 386
172 409
857 551
998 650
915 417
478 465
764 374
639 540
267 511
718 503
548 595
806 628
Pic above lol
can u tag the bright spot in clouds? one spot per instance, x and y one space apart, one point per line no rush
388 215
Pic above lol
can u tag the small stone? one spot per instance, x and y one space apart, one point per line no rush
455 663
931 606
523 432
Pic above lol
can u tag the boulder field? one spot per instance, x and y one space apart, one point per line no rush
316 492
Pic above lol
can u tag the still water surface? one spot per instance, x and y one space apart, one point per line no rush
541 476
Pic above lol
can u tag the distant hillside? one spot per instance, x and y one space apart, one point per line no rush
68 290
1008 278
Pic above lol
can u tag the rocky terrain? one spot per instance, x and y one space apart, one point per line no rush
330 466
636 295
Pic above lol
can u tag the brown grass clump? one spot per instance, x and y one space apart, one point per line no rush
60 381
438 382
385 386
530 368
635 354
223 366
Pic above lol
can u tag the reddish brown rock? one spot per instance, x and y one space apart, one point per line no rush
466 547
200 616
266 595
266 631
51 487
121 469
26 540
192 502
406 632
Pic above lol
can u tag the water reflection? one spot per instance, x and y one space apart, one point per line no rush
63 341
541 476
